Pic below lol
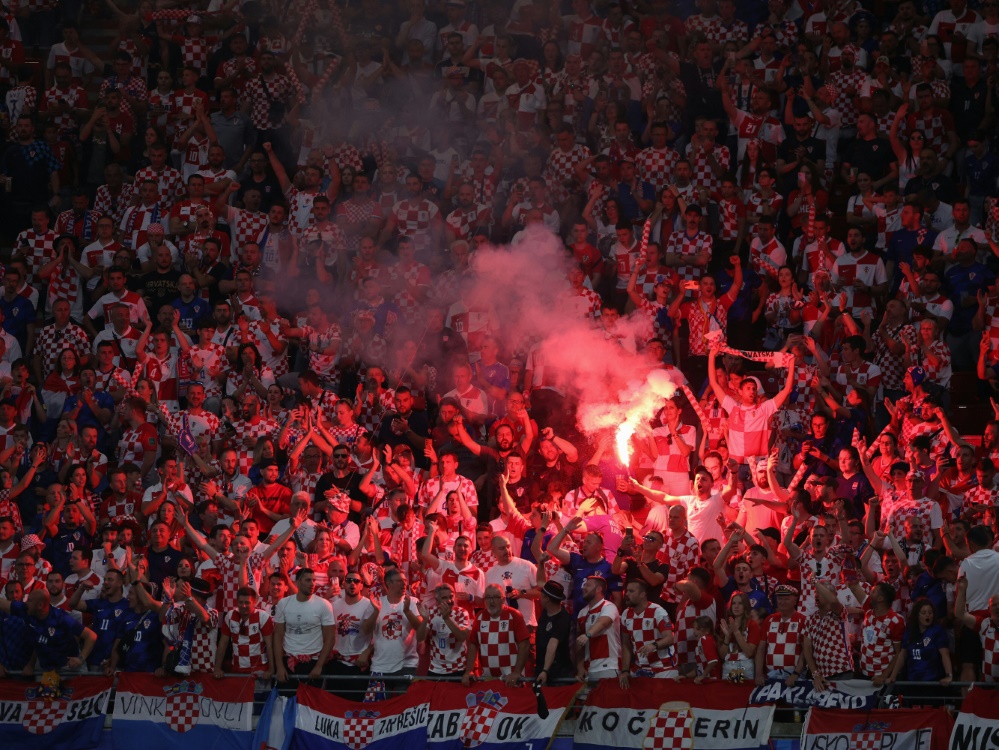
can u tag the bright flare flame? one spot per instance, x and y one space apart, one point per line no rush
623 440
637 403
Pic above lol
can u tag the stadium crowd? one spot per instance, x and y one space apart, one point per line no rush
255 418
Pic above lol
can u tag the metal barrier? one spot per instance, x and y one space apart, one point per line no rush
787 719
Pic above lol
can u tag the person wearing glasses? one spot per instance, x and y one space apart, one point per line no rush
355 617
823 563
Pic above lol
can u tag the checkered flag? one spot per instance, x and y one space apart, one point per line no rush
670 729
865 740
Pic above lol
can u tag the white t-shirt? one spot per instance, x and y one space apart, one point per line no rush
303 624
982 571
702 516
395 638
350 641
517 574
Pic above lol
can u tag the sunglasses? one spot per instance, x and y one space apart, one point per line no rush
351 580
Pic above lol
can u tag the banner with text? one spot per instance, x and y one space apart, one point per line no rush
843 694
162 713
493 715
326 722
69 716
895 729
665 714
977 726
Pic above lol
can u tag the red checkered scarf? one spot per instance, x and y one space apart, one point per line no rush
176 14
404 544
293 660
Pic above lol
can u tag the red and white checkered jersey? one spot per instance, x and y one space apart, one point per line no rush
74 96
649 625
767 129
483 185
767 259
935 123
37 250
447 653
845 103
815 259
109 205
281 88
195 51
730 212
228 573
680 243
170 182
358 210
704 176
203 643
830 646
755 204
51 341
866 374
244 429
681 553
748 427
582 34
602 653
560 170
702 319
585 304
414 218
827 570
784 638
497 639
463 220
247 637
182 109
988 631
879 637
246 226
868 268
927 510
483 559
892 367
134 443
687 612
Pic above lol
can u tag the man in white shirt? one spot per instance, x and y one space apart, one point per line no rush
517 577
304 631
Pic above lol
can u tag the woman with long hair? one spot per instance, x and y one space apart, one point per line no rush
806 201
907 151
249 373
750 165
783 310
603 223
62 382
668 217
925 655
738 638
933 355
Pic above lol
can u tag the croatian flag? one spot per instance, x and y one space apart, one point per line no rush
164 713
326 722
493 715
69 716
977 725
666 715
897 728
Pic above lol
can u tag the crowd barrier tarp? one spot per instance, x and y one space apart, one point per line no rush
977 726
665 714
493 715
880 729
69 716
167 713
855 694
327 722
